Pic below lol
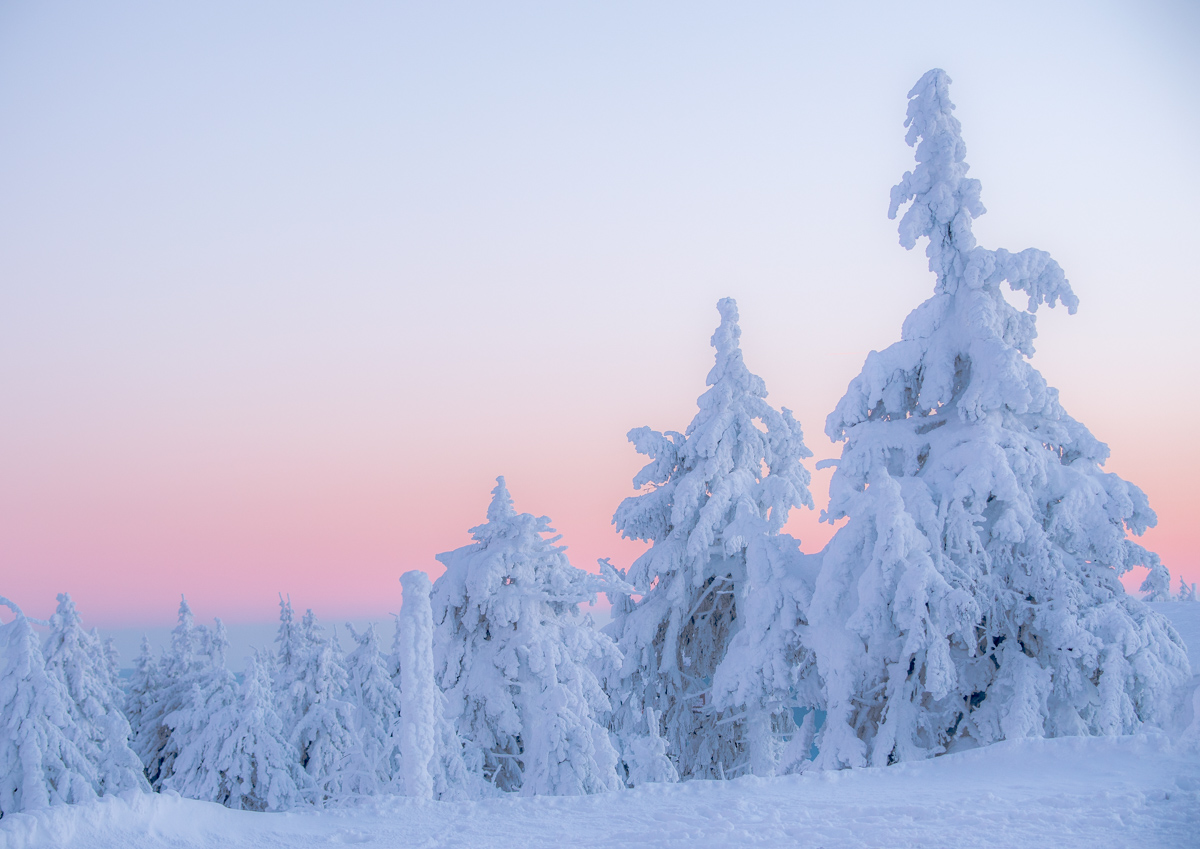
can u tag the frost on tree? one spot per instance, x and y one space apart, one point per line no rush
516 662
161 688
234 751
432 753
375 703
717 498
973 593
42 751
322 719
202 718
78 659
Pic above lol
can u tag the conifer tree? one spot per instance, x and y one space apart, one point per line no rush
42 751
718 496
203 717
516 662
973 593
234 751
329 750
375 703
159 689
78 659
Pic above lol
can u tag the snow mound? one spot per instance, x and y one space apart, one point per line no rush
1065 792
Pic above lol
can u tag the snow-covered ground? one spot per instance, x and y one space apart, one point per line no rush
1088 792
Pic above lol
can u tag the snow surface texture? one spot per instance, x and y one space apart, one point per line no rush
1069 792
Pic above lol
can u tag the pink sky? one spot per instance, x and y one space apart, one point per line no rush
285 289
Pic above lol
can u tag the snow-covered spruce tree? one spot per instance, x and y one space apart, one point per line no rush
288 662
516 662
323 720
161 688
973 593
42 751
233 748
718 496
78 659
375 703
201 720
432 753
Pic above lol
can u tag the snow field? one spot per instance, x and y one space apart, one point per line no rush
1138 791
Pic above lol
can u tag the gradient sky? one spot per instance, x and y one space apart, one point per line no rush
284 286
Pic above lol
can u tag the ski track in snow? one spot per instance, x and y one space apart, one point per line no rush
1070 792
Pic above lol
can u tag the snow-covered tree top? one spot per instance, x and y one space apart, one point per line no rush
966 345
517 549
501 507
945 200
702 477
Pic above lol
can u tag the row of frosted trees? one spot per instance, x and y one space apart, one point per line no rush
971 595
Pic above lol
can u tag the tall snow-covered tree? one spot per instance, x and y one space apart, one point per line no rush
516 662
42 751
973 593
718 496
78 659
432 753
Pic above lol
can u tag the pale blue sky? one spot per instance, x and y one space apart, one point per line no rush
283 286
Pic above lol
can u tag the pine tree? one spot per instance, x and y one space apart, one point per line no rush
719 495
330 752
79 660
203 717
973 593
290 655
514 658
375 703
161 688
42 751
233 750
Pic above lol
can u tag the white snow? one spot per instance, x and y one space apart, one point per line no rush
1185 618
1062 793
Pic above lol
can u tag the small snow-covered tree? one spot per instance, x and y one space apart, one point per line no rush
202 719
78 659
42 751
159 689
375 703
718 496
432 753
330 752
234 751
516 662
973 592
291 654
